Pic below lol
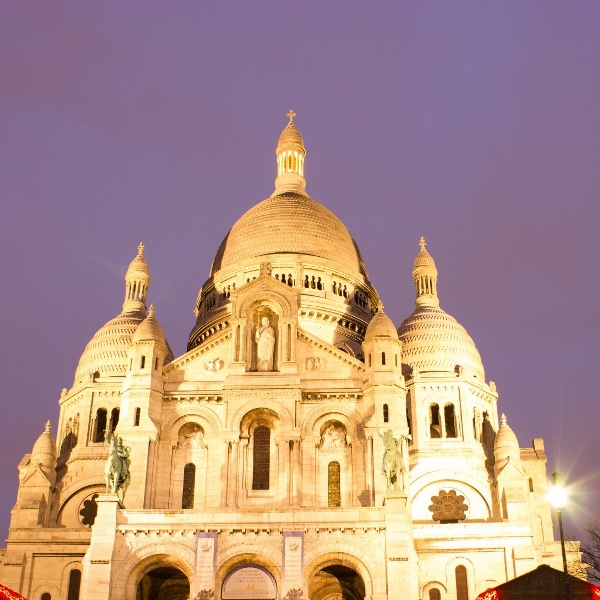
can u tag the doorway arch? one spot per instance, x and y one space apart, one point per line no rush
163 583
336 582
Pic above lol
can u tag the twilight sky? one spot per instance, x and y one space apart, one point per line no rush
475 124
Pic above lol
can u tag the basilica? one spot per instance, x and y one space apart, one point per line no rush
303 447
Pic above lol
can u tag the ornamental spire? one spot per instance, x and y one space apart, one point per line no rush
425 277
290 155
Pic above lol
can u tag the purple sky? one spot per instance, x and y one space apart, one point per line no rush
475 124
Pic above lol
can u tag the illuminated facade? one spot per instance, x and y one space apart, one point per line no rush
302 446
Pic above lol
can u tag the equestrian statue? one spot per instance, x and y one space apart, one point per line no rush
116 470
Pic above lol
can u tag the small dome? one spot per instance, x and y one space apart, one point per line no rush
150 330
290 138
139 264
381 326
423 259
106 353
432 340
506 446
44 452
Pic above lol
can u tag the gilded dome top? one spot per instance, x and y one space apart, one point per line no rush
290 224
432 340
381 326
106 352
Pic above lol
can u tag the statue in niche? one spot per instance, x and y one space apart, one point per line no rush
265 345
194 439
393 460
333 437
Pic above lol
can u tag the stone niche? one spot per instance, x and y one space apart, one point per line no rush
263 340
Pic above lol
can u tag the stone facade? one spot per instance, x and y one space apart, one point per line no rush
299 412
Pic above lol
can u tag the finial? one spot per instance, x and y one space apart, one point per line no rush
379 306
503 419
48 427
422 243
151 310
141 249
291 114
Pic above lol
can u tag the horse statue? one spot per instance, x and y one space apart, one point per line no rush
116 470
393 461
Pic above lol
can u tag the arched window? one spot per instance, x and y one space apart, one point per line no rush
189 481
333 484
434 594
74 584
450 421
261 458
386 413
100 430
435 431
114 419
462 589
383 358
46 596
136 419
143 362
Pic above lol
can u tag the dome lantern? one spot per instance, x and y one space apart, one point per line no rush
290 155
137 280
425 277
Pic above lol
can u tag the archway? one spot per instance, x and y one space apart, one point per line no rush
163 583
336 582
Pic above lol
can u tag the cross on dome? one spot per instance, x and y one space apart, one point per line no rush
291 114
503 419
422 243
141 248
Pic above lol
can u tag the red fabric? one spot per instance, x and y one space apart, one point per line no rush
6 594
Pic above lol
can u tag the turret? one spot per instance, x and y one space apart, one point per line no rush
37 478
141 402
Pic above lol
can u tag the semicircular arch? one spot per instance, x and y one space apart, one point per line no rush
149 557
349 417
231 558
355 560
275 300
260 403
182 412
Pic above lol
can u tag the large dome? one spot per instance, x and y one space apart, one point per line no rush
290 223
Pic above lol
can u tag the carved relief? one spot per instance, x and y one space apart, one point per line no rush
333 437
314 363
212 366
191 437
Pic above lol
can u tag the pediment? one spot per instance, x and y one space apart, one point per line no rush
206 362
316 356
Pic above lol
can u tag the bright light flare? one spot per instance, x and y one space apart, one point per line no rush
558 496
